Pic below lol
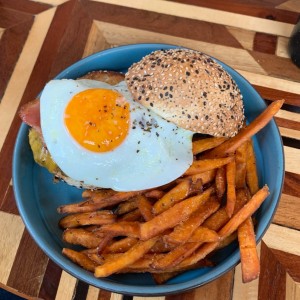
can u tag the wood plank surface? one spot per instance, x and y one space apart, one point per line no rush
38 39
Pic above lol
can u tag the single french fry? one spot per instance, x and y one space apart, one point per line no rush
107 239
89 251
120 246
92 228
95 202
90 218
143 264
122 228
229 147
231 195
126 207
204 235
98 196
241 160
181 191
145 207
161 247
155 194
202 165
183 231
80 236
205 177
251 170
129 257
80 258
131 216
242 197
171 217
249 257
216 220
220 181
226 241
96 258
206 144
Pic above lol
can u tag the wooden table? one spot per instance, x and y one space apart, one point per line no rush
39 39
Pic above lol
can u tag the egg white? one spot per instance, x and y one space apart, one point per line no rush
150 156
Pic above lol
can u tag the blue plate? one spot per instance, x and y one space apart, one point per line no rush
38 197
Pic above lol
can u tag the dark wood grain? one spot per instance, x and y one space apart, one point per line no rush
275 94
290 262
288 205
8 203
256 8
6 157
10 18
50 281
75 34
11 45
104 295
291 184
267 283
66 41
276 66
220 289
265 43
81 290
162 23
25 6
26 274
287 123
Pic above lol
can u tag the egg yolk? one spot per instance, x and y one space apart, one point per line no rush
98 119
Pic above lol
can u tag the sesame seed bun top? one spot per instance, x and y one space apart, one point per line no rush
190 89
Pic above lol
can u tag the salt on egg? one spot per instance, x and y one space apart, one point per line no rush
98 135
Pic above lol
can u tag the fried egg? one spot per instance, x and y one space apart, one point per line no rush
98 135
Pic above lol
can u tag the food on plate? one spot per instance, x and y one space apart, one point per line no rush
116 142
95 218
160 197
30 114
230 178
251 174
249 259
177 231
118 137
190 89
124 248
231 145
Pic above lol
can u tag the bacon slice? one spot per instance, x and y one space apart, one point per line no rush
30 114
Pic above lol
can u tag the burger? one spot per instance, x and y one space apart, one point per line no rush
134 131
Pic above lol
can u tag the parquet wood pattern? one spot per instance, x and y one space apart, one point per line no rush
39 39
